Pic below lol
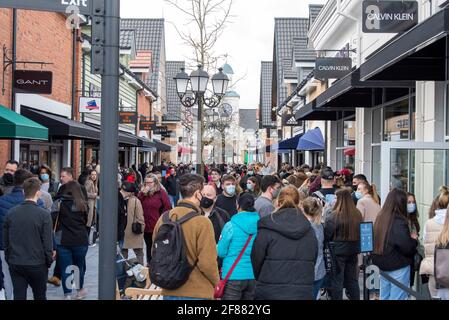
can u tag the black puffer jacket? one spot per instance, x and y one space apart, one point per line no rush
283 257
71 223
400 247
332 233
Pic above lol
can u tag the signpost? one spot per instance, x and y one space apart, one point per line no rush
26 81
389 16
366 247
106 31
84 6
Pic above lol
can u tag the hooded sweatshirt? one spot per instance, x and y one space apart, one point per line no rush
233 238
284 256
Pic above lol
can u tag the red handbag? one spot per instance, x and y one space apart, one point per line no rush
219 289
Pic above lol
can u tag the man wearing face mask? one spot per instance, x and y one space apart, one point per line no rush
217 216
6 181
271 186
200 244
228 199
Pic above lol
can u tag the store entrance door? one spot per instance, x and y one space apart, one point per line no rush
419 168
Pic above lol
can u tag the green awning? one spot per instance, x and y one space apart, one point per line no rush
17 127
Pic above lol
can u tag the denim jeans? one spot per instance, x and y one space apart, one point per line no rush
317 285
182 298
389 291
72 257
172 200
346 276
239 290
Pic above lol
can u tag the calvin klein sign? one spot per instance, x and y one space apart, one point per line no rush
33 81
332 68
389 16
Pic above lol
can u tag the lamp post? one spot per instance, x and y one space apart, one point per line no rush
198 81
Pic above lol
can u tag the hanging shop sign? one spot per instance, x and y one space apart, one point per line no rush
289 120
163 130
84 6
26 81
90 105
389 16
128 117
147 125
332 68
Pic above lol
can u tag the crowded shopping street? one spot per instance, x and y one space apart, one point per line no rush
154 151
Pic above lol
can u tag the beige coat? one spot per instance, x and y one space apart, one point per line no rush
202 248
368 208
432 231
92 192
135 215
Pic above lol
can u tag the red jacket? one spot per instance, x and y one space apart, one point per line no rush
153 207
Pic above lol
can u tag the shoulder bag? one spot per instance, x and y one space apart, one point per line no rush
136 227
219 289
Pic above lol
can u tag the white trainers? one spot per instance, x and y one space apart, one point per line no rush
2 294
81 294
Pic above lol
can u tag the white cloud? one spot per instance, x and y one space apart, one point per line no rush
247 41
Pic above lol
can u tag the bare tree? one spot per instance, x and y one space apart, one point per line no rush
206 22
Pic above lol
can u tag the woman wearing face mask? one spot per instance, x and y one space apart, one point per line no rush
367 204
237 237
48 184
252 187
155 202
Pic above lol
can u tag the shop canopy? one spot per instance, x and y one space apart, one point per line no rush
60 127
16 126
312 140
160 146
288 144
351 92
146 145
420 54
125 139
311 112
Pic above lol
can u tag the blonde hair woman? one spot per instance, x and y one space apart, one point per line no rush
284 252
155 202
432 231
314 211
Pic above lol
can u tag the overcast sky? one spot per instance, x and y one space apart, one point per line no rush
247 41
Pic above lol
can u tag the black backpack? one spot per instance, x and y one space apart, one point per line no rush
169 267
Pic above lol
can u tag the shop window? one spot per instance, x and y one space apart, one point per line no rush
345 142
397 121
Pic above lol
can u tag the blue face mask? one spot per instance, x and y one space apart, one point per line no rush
411 207
45 177
250 187
358 195
230 190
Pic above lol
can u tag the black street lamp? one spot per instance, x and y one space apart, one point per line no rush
198 81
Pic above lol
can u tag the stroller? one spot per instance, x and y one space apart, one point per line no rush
130 273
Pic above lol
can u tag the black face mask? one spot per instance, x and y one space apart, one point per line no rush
206 203
354 188
8 179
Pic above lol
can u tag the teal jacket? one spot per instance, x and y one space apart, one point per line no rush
233 238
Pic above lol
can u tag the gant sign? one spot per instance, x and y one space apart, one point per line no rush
389 16
33 81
